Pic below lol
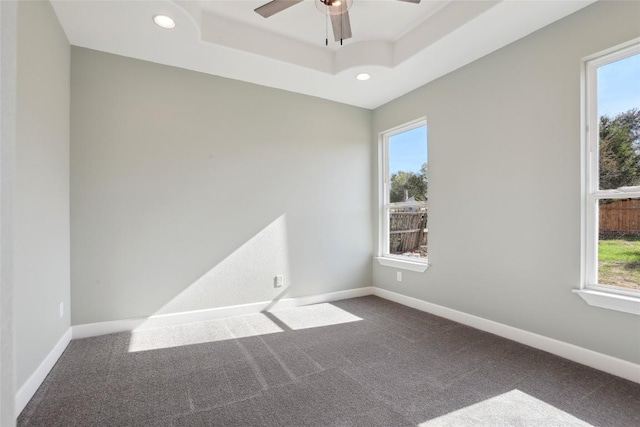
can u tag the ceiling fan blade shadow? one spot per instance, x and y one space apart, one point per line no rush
275 6
341 26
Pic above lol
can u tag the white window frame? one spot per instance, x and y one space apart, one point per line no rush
591 291
384 257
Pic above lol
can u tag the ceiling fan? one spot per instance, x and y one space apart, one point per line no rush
338 10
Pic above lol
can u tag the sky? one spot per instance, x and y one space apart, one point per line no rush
408 150
619 86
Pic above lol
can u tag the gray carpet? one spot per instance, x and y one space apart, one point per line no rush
357 362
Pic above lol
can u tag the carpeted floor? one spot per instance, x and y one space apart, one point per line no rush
358 362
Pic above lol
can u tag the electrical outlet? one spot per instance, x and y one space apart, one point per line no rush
399 276
61 309
279 280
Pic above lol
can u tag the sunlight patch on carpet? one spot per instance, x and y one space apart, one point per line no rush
314 316
250 325
513 408
202 332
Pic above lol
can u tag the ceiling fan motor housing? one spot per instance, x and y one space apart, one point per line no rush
333 7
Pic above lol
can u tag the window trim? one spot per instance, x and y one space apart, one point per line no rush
384 258
593 293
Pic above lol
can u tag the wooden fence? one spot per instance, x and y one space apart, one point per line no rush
407 232
620 218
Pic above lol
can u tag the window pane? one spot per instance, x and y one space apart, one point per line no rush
408 231
619 123
619 243
408 166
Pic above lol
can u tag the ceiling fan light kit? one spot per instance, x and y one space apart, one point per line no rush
333 7
337 10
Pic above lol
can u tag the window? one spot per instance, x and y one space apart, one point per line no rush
403 195
611 276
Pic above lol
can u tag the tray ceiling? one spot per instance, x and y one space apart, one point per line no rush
400 44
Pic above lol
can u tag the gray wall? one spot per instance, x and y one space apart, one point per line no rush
504 188
8 30
191 191
41 210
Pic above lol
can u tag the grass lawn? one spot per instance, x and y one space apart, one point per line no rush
619 262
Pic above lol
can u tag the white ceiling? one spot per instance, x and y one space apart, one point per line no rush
402 45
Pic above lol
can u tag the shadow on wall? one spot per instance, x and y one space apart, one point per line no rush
204 260
247 274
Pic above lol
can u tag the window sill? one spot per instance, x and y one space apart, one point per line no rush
403 264
611 301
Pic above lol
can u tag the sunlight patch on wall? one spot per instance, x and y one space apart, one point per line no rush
511 408
201 332
246 275
313 316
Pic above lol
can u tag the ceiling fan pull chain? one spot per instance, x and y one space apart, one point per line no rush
341 24
326 30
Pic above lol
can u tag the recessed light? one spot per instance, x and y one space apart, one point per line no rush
164 21
363 76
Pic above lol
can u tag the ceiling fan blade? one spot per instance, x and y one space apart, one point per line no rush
411 1
275 6
341 26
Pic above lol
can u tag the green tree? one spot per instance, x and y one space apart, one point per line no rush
620 150
409 184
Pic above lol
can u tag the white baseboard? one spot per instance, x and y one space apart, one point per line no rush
602 362
29 388
103 328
